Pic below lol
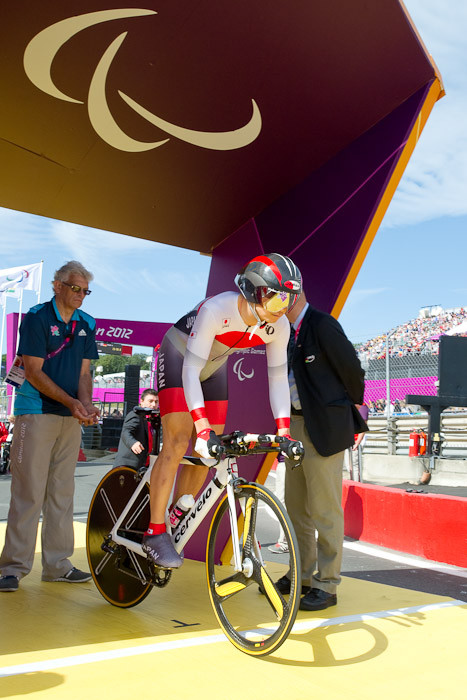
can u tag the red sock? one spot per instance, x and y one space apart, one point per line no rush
156 529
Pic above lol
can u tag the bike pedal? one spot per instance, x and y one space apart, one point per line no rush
160 580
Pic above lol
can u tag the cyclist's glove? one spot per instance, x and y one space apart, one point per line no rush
208 444
293 449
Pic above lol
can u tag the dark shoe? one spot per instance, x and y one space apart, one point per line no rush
160 550
72 576
283 586
8 584
316 599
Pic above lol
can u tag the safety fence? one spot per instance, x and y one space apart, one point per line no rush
394 376
392 435
3 402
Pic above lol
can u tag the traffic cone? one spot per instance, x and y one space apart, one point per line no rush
81 456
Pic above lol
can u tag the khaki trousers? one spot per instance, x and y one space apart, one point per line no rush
44 453
313 497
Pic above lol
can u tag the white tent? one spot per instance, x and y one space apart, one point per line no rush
461 328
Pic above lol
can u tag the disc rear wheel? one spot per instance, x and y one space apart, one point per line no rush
122 576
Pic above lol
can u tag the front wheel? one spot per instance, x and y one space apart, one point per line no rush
252 612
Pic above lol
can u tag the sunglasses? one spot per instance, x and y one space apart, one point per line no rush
274 301
76 289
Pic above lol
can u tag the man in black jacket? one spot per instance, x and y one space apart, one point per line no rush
133 448
326 381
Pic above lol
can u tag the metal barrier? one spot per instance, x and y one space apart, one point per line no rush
111 430
3 401
391 436
91 436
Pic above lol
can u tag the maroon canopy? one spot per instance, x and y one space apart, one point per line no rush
180 121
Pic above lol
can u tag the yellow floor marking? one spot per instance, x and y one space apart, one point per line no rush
419 654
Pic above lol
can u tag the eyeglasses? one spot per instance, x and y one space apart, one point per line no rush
77 289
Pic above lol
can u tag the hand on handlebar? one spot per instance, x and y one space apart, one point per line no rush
291 449
209 445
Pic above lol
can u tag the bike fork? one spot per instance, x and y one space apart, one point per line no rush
234 527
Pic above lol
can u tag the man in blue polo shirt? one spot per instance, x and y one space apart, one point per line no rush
57 344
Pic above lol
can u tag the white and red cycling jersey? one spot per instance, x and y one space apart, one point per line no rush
192 362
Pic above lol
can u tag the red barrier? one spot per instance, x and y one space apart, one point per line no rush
433 526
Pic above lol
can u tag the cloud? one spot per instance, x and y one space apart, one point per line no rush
166 281
21 231
435 181
81 238
361 295
99 250
132 270
27 237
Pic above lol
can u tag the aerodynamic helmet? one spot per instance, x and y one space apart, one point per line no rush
271 280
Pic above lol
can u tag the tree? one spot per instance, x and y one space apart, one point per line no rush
111 364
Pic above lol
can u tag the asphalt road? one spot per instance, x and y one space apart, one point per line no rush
361 561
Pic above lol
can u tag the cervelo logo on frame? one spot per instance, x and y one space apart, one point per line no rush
38 58
241 374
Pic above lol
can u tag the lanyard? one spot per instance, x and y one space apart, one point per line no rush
297 331
150 440
64 344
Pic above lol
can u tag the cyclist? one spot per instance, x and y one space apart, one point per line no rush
192 379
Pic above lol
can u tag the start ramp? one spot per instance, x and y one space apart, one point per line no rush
66 641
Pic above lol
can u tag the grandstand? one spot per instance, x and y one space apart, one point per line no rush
419 336
413 357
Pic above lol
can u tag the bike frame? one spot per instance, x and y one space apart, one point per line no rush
223 479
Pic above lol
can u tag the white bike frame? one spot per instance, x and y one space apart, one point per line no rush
226 472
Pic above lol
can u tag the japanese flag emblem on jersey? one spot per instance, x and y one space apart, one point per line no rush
225 322
193 334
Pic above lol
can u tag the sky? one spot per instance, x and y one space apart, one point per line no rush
417 259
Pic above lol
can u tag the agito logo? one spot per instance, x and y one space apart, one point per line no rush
42 51
241 374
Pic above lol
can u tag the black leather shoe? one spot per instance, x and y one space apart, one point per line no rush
283 586
316 599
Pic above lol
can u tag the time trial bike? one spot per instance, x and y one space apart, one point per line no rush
245 517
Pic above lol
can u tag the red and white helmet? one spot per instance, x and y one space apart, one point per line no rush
271 280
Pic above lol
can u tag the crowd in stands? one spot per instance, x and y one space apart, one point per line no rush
396 407
400 408
421 335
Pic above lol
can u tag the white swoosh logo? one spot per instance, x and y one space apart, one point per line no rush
38 58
